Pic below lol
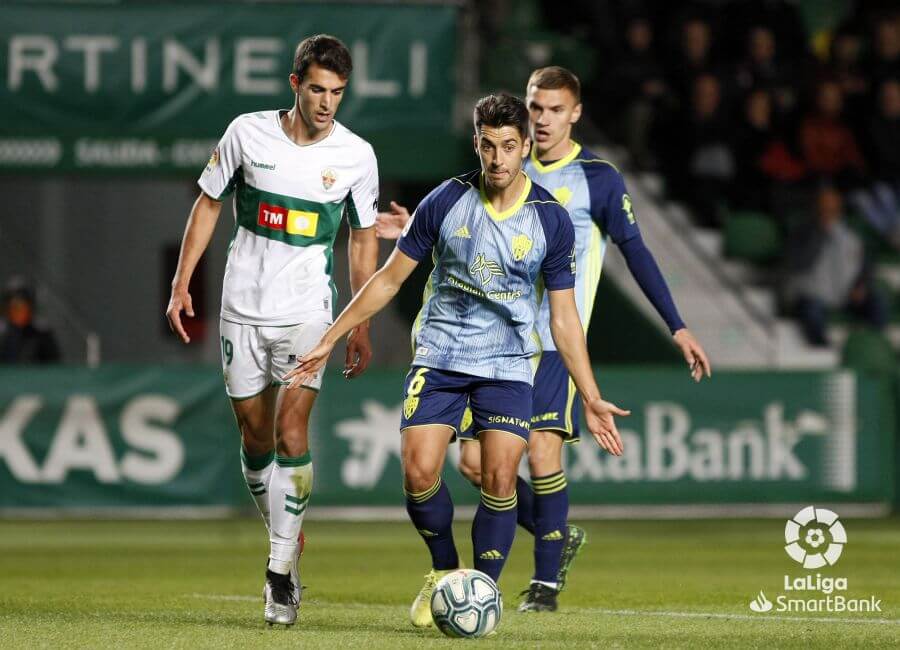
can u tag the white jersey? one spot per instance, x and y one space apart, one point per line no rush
288 204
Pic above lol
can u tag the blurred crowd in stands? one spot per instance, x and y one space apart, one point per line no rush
741 109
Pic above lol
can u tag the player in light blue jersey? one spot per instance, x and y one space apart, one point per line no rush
594 193
493 235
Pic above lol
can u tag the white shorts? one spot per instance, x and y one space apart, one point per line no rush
255 357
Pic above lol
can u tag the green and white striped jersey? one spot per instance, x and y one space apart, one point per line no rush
288 204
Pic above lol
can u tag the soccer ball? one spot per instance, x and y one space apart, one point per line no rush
466 603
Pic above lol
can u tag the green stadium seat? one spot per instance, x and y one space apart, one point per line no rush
869 351
752 236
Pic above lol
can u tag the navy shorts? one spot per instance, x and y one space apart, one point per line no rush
556 405
462 401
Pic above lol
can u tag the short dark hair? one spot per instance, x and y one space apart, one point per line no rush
326 51
501 110
555 77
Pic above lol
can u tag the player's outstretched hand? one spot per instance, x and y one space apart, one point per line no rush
309 364
359 352
693 354
180 300
599 415
389 225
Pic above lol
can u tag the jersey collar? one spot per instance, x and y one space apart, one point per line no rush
562 162
511 210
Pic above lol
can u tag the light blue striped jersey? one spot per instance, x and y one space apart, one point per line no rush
481 302
593 192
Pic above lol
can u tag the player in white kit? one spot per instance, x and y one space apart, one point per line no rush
294 175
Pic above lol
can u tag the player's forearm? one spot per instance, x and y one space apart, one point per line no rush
363 257
650 279
568 336
197 234
375 294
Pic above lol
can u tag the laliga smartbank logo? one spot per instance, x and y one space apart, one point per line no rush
814 538
805 537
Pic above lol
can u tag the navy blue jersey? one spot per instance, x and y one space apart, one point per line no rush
481 302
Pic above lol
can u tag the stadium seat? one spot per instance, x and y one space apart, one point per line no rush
869 351
752 236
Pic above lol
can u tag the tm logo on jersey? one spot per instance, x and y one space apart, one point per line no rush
486 269
293 222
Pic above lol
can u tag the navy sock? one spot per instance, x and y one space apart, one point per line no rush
525 509
493 532
431 513
551 509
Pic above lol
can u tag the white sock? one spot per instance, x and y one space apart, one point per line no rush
257 479
289 489
552 585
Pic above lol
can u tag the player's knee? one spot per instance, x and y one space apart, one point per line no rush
471 471
418 477
499 481
544 456
292 446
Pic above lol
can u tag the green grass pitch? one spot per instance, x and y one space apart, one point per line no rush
197 584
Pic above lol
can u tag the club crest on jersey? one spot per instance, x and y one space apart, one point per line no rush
328 178
486 269
627 209
213 159
521 246
562 194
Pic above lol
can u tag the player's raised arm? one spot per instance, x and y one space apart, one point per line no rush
200 226
376 293
614 213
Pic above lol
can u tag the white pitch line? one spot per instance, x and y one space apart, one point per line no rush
611 612
740 617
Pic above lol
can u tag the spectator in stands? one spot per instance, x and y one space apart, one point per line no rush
828 271
885 61
845 65
762 69
879 203
764 164
827 144
22 339
694 57
637 90
701 162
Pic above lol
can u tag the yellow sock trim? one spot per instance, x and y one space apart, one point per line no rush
549 484
499 503
419 497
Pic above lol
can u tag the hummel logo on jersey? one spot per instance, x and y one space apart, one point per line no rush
486 269
463 232
258 165
555 536
491 555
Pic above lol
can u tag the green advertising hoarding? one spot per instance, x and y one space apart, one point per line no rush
148 437
150 86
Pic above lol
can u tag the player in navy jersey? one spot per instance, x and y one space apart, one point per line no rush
593 191
501 245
